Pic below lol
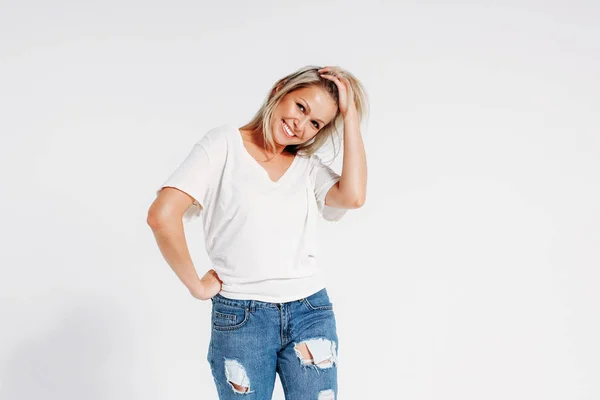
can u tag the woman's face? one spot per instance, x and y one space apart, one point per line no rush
305 112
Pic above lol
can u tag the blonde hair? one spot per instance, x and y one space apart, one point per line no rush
305 77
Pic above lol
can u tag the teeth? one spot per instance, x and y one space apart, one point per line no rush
287 130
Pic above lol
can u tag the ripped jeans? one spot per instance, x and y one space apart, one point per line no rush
253 340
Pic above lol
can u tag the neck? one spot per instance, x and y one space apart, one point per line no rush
256 137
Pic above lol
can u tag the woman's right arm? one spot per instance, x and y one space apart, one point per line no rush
165 219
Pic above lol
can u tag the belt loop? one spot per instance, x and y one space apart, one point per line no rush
252 306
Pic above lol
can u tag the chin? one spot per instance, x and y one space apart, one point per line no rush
280 137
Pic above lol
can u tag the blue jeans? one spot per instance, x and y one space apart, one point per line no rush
253 340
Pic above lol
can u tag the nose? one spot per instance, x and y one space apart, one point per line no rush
300 123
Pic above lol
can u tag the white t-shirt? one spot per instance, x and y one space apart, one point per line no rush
260 235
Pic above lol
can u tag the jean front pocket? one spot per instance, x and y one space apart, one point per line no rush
227 317
318 301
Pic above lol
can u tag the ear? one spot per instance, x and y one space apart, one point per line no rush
278 87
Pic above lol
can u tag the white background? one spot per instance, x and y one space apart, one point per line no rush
470 273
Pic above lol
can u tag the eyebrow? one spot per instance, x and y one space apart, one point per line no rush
308 106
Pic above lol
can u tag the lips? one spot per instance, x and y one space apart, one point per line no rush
287 130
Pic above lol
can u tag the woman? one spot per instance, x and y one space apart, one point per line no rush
259 190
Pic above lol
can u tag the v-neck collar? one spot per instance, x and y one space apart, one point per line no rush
244 150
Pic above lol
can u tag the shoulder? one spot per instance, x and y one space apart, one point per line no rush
310 159
316 162
217 140
219 134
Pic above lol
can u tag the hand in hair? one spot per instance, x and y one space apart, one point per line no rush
346 94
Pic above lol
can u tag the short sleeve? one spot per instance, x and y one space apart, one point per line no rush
324 178
196 173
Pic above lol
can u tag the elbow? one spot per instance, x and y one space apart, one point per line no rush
157 217
161 217
359 201
157 222
154 216
152 220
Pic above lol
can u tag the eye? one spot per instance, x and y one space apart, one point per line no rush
301 107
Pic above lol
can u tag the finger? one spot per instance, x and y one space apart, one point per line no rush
330 71
335 79
330 76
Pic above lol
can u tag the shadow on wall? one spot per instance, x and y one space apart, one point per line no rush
84 356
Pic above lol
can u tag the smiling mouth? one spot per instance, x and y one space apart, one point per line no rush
287 129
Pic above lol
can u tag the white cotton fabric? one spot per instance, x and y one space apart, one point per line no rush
260 235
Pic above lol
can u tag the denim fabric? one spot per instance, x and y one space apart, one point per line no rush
252 340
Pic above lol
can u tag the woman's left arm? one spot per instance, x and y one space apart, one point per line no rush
351 190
